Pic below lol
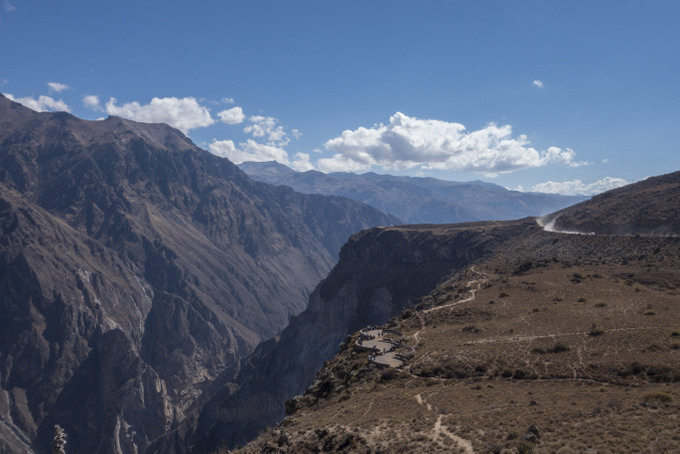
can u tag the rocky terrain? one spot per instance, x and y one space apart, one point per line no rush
135 269
380 273
645 208
416 200
539 341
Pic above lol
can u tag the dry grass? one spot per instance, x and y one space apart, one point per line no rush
570 346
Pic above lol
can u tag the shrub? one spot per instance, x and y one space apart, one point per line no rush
576 278
388 374
595 331
559 348
659 397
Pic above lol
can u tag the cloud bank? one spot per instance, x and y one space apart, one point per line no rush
42 104
577 187
182 113
248 151
408 142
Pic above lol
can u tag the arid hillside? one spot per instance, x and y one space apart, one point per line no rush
556 343
649 207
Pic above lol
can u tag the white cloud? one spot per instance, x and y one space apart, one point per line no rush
181 113
267 127
577 187
56 87
538 83
248 151
228 100
408 142
7 6
42 104
92 102
232 116
302 163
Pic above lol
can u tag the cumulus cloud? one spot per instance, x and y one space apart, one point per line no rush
181 113
538 83
56 87
232 116
248 151
42 104
408 142
577 187
302 162
92 102
268 128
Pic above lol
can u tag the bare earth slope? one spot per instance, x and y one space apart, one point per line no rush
649 207
568 343
135 268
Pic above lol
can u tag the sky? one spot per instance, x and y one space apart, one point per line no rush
569 97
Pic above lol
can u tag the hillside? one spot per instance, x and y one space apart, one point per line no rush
547 341
416 200
580 337
649 207
136 268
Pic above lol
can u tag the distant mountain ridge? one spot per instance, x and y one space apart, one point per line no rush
416 200
134 268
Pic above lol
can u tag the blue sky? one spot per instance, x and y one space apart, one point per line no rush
558 96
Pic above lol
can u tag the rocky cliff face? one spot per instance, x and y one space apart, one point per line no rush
134 269
381 272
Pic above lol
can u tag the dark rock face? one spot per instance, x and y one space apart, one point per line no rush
381 272
134 269
416 200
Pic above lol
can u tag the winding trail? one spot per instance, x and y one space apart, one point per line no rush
472 296
440 429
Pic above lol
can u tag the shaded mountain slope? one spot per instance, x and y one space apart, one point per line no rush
649 207
158 262
416 200
380 273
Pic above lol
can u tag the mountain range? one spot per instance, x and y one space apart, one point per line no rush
134 269
416 200
156 299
